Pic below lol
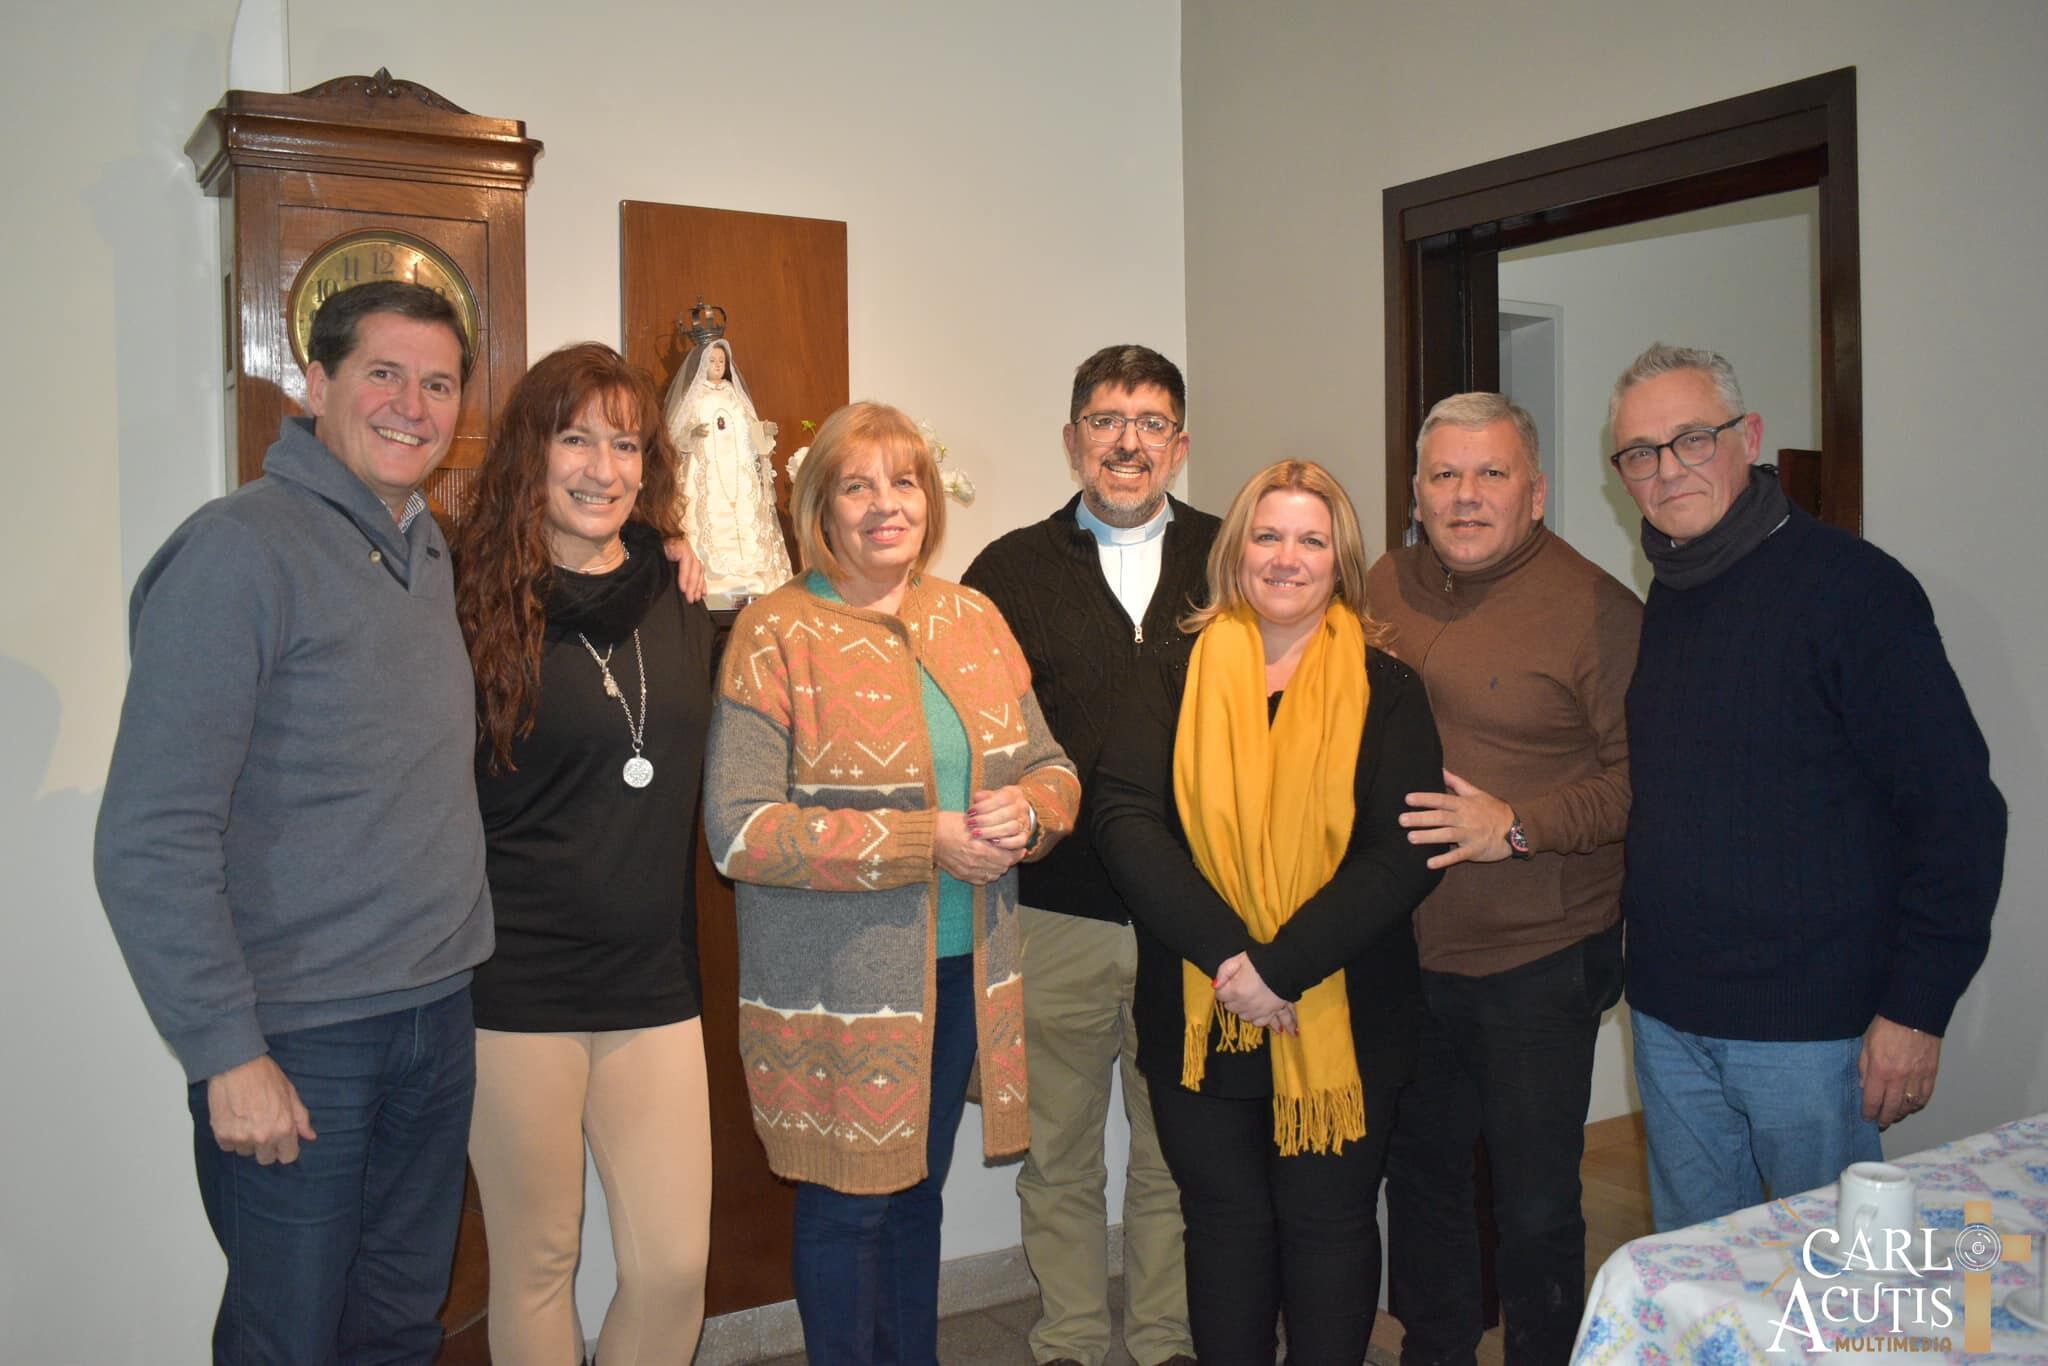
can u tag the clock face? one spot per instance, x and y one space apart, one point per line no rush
359 258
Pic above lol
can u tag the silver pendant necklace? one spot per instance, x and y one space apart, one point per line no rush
639 770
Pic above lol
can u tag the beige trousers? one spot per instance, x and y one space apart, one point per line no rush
1078 1033
638 1097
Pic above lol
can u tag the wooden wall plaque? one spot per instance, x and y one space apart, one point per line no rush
782 283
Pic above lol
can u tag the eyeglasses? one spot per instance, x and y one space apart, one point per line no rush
1693 448
1153 430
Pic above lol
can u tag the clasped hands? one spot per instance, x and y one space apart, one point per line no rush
985 841
1241 991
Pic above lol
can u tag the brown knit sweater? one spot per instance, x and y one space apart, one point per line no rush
1527 666
819 801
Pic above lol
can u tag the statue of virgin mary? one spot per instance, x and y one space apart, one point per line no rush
727 484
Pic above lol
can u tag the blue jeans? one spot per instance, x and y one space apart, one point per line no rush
866 1267
343 1256
1507 1057
1731 1120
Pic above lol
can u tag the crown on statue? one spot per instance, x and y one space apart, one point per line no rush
706 323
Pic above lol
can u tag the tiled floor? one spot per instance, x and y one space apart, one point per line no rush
1617 1203
996 1336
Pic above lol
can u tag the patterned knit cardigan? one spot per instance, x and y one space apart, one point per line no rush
819 801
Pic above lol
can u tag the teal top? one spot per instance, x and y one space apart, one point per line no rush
952 767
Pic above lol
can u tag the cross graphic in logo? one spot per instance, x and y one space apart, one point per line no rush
1979 1247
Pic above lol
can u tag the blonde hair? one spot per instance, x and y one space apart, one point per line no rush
1226 555
863 428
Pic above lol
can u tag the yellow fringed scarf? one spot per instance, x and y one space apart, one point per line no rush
1267 811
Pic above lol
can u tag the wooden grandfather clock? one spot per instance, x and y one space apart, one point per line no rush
358 179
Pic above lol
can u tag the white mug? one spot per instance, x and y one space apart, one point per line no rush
1876 1204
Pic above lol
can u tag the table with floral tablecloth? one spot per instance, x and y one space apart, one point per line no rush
1716 1293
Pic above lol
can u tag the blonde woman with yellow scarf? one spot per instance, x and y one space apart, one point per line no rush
1247 810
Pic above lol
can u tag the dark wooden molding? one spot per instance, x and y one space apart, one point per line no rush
425 139
1442 237
382 86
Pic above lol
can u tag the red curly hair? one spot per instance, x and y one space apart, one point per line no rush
503 568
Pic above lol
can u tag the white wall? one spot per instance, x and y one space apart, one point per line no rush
1296 117
1739 279
952 139
109 364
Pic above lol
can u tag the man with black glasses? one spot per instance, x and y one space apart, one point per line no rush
1089 592
1816 844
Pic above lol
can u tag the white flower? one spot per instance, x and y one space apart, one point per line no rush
955 482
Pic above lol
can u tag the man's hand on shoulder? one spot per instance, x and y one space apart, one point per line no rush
256 1112
1474 823
1898 1067
689 569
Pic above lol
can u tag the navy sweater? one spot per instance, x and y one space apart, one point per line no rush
1815 838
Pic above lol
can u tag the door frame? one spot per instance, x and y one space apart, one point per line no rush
1443 237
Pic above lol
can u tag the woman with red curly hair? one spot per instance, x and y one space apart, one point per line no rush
593 696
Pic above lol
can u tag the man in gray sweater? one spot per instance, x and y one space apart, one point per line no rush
290 854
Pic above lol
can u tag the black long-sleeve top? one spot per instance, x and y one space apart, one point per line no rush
1046 579
592 880
1361 921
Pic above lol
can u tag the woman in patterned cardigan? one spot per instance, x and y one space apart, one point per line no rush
878 766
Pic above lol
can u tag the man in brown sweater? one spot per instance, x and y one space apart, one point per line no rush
1526 648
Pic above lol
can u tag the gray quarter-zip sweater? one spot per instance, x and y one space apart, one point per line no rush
289 834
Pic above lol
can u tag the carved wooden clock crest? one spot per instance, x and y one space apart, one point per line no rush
359 179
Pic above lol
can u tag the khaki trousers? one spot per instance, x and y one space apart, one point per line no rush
638 1097
1078 1030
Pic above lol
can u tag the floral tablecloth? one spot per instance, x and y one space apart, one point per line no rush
1716 1293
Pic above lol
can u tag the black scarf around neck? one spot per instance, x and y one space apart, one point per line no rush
1756 512
606 607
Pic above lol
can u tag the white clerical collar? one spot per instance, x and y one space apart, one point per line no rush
1105 534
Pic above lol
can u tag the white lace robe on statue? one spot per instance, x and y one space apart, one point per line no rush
727 483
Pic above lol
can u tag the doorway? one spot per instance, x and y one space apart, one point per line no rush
1532 374
1443 239
1740 279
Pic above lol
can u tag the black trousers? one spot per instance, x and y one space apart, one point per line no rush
1268 1235
1509 1057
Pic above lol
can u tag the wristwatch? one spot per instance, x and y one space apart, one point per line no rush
1037 830
1518 840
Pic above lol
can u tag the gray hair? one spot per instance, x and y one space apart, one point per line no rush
1480 409
1663 359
